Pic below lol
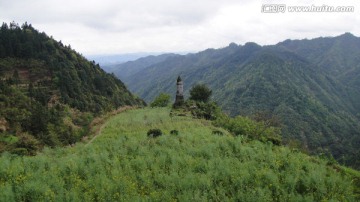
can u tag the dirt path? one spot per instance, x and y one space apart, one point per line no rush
98 132
100 122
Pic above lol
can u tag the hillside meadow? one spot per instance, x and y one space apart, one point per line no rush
123 164
310 86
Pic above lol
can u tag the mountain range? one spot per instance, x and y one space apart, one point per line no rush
107 60
310 86
49 93
100 147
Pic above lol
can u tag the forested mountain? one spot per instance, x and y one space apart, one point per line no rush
338 56
289 81
48 92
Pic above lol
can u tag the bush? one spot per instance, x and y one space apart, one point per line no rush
26 145
276 140
154 132
200 92
162 100
208 111
217 132
174 132
250 128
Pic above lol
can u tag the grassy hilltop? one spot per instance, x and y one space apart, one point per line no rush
123 164
311 86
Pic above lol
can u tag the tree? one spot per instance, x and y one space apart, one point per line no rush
16 77
2 51
14 25
200 92
162 100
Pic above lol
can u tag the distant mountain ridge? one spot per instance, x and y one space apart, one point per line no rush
311 85
107 61
126 69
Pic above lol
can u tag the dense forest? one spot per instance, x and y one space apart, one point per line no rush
49 93
309 86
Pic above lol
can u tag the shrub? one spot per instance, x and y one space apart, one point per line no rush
174 132
26 145
217 132
200 92
276 140
208 111
250 128
162 100
154 132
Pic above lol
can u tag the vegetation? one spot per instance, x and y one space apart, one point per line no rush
249 128
200 93
162 100
259 128
203 110
123 164
174 132
199 105
312 86
336 57
154 132
49 94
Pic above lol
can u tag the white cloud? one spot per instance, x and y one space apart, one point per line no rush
122 26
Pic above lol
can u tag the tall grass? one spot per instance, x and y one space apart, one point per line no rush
124 164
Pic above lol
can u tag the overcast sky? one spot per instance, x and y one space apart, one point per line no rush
130 26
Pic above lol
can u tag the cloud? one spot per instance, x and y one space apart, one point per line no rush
122 26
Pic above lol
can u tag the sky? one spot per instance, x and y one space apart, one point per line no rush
94 27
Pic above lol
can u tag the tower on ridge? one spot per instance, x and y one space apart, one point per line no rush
179 100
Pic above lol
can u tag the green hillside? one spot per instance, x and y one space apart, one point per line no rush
339 56
313 106
123 164
49 93
335 55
